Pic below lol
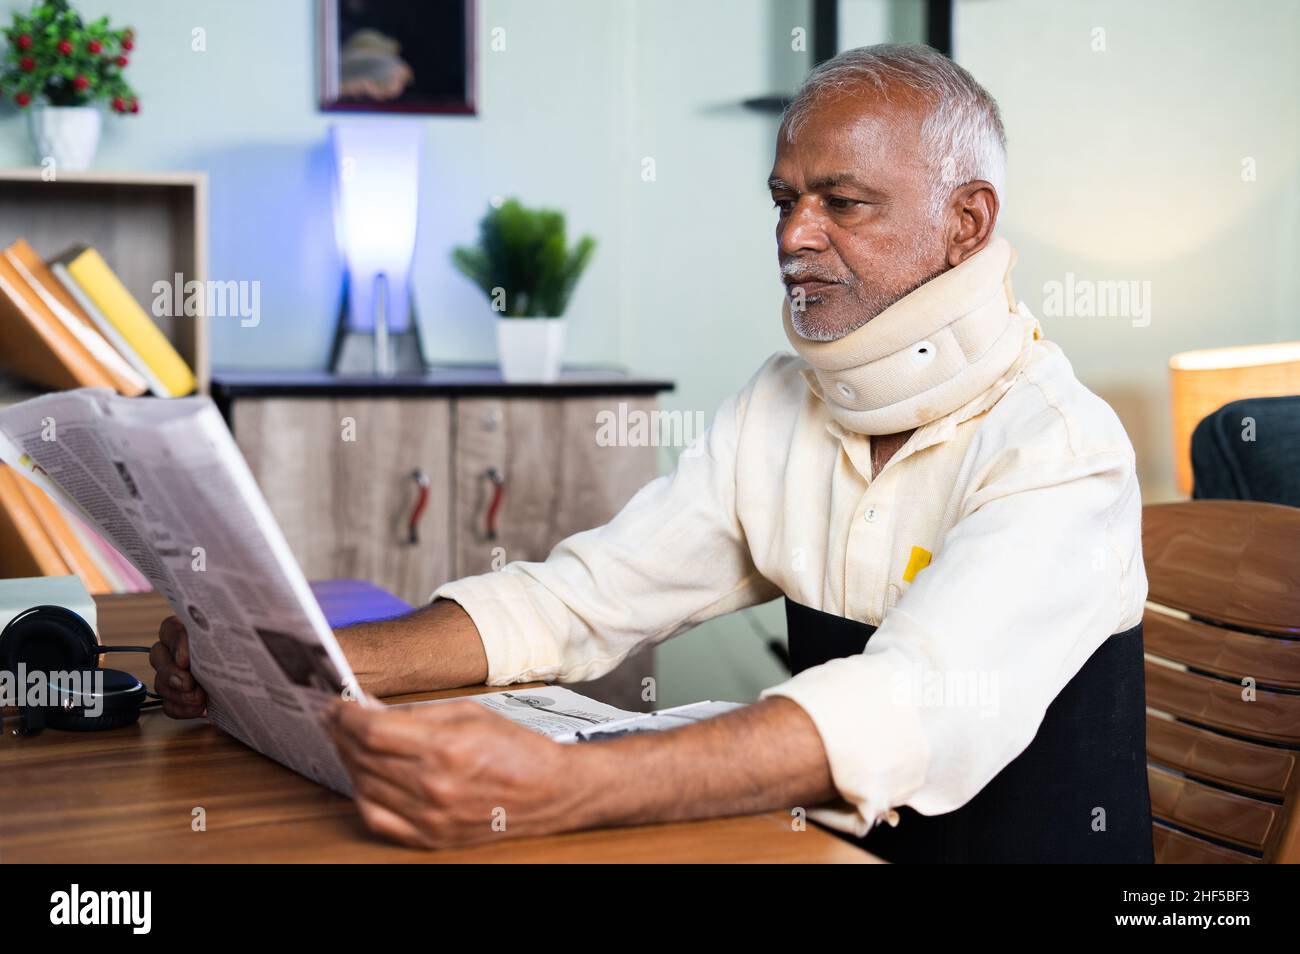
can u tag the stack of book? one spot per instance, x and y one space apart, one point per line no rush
40 538
71 323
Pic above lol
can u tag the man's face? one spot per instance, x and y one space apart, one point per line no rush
854 233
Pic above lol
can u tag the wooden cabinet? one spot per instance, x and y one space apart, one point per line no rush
557 479
339 476
338 462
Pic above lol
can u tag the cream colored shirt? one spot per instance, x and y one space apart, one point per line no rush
996 550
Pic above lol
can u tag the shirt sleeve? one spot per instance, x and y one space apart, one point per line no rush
956 680
673 557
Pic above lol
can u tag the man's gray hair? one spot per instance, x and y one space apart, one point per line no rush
962 136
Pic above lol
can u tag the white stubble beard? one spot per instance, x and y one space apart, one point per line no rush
809 327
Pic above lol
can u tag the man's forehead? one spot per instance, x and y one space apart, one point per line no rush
848 133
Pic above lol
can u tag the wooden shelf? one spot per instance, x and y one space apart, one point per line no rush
36 174
149 226
459 380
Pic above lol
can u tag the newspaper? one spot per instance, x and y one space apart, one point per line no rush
164 483
566 716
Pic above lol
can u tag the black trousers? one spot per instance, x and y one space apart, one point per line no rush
1089 754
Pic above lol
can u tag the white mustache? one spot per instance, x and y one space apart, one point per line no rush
800 271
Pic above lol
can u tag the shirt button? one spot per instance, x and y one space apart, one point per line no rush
871 514
846 392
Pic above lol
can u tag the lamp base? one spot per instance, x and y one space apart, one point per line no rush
358 353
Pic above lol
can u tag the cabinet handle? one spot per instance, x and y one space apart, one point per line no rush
498 492
421 501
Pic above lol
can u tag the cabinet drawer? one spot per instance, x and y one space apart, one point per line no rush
558 479
338 475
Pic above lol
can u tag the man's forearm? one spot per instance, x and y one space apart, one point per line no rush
768 755
435 647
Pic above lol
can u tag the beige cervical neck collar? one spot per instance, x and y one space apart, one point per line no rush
927 354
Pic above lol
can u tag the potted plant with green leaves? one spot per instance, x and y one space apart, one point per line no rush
526 268
57 67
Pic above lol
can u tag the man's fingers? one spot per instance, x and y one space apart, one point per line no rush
384 822
179 710
389 800
177 685
160 655
171 633
164 664
183 697
189 698
395 769
390 788
381 731
169 679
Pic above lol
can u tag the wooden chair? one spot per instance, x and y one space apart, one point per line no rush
1224 771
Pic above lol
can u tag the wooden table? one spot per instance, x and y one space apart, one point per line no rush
128 795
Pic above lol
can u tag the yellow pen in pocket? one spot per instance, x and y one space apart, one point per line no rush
917 561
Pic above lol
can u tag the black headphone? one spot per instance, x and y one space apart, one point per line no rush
54 639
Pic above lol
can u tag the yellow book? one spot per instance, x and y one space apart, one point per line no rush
57 304
109 295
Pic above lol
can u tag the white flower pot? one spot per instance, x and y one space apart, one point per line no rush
67 134
530 348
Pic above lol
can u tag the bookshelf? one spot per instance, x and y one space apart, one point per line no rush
149 226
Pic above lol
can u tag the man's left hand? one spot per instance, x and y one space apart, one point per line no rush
455 774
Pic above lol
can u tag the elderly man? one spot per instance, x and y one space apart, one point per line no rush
952 518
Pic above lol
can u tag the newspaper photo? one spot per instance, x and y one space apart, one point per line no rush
164 483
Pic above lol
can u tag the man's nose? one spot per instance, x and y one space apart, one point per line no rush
802 230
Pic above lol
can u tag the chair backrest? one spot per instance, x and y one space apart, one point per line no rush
1223 680
1249 450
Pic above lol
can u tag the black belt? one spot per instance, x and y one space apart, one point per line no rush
1089 754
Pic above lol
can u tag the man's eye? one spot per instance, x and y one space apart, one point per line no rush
839 203
785 205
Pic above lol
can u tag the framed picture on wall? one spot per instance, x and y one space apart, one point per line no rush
396 56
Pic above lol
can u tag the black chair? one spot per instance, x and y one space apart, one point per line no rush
1249 450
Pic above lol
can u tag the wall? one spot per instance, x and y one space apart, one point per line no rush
1126 163
244 110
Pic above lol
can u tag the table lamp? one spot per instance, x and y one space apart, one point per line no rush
376 204
1203 381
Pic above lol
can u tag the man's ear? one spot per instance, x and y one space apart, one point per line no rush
973 211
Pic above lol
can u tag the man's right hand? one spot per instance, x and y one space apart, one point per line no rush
183 698
435 647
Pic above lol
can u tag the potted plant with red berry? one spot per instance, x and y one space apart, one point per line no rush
57 66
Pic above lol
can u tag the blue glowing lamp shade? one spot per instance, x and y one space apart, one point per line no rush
376 206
